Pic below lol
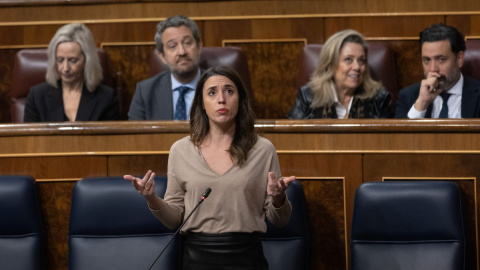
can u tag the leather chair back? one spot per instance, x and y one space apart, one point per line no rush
408 225
287 248
472 59
30 68
381 60
233 57
111 227
21 230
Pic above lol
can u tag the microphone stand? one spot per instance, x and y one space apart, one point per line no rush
204 196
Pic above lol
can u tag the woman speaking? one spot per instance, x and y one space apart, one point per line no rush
224 153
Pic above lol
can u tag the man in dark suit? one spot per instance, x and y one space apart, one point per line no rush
445 92
169 95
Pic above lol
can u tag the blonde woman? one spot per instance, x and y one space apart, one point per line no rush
72 91
341 86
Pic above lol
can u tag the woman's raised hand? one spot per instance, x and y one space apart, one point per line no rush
277 187
145 186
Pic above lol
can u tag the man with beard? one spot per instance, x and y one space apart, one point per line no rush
445 92
169 95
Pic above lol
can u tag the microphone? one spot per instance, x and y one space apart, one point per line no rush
204 195
202 198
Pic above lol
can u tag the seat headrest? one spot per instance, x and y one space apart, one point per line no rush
19 206
115 206
408 210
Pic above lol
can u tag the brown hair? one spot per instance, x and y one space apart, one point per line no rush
245 136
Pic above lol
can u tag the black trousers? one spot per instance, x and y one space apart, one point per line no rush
229 251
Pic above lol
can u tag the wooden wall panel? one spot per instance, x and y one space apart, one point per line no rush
327 226
474 25
217 31
325 197
27 34
124 32
54 168
408 61
214 32
132 63
7 57
392 26
55 199
102 32
155 9
462 23
273 69
137 165
65 145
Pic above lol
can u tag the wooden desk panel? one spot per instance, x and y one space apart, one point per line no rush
331 158
137 164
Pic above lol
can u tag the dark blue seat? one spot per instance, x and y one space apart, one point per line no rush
287 248
111 227
21 230
408 225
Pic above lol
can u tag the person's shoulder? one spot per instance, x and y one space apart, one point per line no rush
264 143
470 81
181 144
156 78
42 86
103 89
305 93
382 92
306 89
40 90
411 89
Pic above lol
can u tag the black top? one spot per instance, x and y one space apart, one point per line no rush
380 106
45 104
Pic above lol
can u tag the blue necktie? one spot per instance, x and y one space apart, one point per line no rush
444 111
180 108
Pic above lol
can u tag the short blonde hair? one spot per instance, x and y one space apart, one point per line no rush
79 33
322 82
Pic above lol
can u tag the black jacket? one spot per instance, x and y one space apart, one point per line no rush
380 106
45 104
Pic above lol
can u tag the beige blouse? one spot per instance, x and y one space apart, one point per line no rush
238 201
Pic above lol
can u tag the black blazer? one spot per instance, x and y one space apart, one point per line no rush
45 104
470 99
380 106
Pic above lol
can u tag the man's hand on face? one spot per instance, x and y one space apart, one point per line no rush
430 88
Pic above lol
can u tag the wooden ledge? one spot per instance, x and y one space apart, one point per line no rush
264 126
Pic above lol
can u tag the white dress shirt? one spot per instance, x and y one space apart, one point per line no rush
454 104
188 96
